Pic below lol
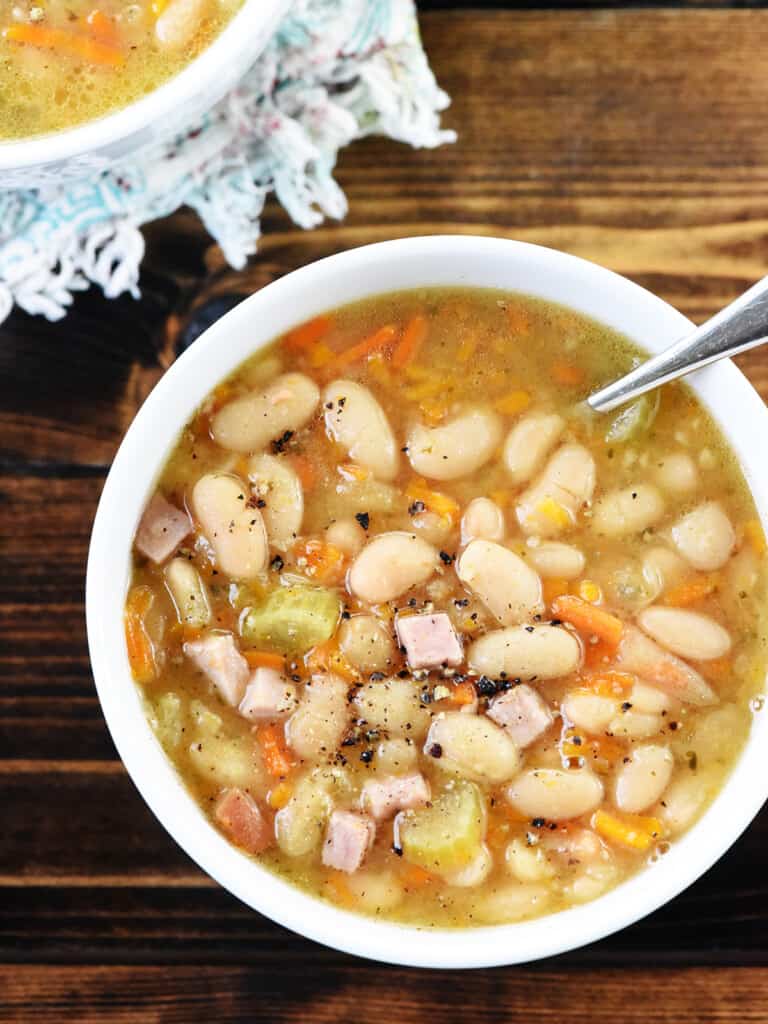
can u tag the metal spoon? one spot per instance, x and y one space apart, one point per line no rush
740 326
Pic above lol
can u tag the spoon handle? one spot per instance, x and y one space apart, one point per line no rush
740 326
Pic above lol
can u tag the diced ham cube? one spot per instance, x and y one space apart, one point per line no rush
383 798
242 821
348 838
217 656
162 528
522 712
268 696
429 640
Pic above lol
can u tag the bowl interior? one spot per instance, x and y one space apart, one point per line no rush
388 266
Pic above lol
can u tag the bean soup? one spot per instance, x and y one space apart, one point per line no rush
427 637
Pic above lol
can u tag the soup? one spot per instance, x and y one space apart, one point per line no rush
63 63
429 639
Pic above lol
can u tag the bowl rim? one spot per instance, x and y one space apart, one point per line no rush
200 76
735 406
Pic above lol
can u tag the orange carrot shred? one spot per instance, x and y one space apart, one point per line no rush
305 471
381 339
69 43
463 693
265 659
415 877
691 591
103 27
413 338
308 334
566 373
319 560
274 750
587 618
141 653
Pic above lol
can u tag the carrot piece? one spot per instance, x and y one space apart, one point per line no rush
351 471
607 684
141 653
103 27
279 795
341 893
753 531
376 342
274 750
598 655
566 373
307 334
433 411
553 588
632 830
587 618
60 41
441 504
265 659
463 693
691 591
415 877
328 658
513 403
320 560
305 471
717 669
409 345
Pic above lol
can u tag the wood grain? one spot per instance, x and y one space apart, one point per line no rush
636 138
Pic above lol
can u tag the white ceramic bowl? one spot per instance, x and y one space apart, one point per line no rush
88 149
340 279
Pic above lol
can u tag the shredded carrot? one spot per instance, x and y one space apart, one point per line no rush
409 345
351 471
307 334
381 339
716 669
566 374
328 658
598 654
463 693
141 653
691 591
279 795
513 403
305 471
753 531
631 830
103 27
274 750
320 355
320 560
552 589
415 877
341 892
265 659
433 412
60 41
607 684
587 618
435 501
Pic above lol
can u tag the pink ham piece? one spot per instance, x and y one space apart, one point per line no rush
242 820
429 640
522 713
217 656
268 696
383 798
162 528
347 840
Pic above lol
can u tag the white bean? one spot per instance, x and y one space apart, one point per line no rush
188 592
685 798
635 725
472 746
525 651
396 756
705 537
236 533
639 654
433 528
589 711
555 560
393 707
642 779
685 633
527 863
677 474
299 826
346 535
649 700
508 587
512 902
375 891
482 520
552 503
456 448
629 510
554 794
391 564
249 423
662 568
317 727
276 483
181 20
529 442
592 882
474 873
366 643
356 421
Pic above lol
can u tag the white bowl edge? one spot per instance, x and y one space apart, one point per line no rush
407 263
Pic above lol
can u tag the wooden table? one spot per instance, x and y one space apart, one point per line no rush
638 138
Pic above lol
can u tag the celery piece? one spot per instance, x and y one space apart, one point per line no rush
634 420
293 619
166 719
446 835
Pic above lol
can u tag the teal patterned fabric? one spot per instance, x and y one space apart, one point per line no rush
336 70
